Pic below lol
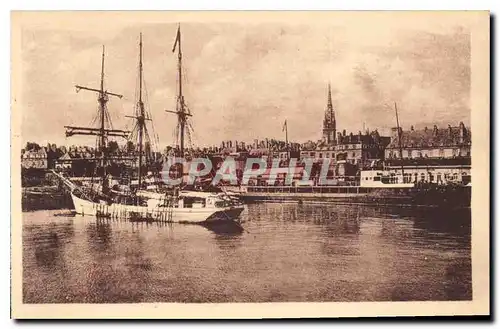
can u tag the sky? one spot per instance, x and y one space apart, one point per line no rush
244 78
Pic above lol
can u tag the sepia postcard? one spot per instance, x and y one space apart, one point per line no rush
233 165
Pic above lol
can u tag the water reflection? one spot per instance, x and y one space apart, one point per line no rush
286 252
48 242
99 234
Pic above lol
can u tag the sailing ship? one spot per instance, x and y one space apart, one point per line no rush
137 201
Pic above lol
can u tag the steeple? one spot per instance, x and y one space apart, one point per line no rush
329 123
330 106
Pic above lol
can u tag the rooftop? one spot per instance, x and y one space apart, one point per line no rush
426 137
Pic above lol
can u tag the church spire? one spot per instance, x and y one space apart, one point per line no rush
329 124
330 106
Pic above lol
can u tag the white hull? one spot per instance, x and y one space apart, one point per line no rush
164 214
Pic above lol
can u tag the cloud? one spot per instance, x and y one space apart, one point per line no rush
242 80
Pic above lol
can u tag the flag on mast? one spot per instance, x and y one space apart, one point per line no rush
284 126
177 38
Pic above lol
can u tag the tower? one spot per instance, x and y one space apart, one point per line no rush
329 123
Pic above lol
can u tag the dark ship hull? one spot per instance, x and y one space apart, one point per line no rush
442 196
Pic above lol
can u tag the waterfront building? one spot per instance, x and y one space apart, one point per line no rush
308 150
432 170
441 143
431 155
34 159
361 149
65 162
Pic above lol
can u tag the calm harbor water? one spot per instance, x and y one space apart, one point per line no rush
289 252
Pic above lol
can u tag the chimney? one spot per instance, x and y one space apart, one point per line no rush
412 129
343 132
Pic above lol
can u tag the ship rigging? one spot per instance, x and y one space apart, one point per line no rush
105 128
181 109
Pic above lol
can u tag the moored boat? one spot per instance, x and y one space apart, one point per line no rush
135 201
186 208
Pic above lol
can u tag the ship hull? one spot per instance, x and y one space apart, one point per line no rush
164 214
448 197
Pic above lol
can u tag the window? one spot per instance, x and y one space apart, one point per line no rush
327 155
419 154
431 177
422 177
455 152
410 153
438 178
455 176
353 154
320 155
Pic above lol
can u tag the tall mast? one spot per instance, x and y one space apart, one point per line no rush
180 101
101 132
141 117
180 110
102 108
286 140
399 140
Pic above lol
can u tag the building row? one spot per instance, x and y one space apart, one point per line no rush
430 154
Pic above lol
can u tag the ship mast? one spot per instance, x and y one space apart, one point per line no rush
399 141
180 109
285 127
141 116
102 102
102 132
